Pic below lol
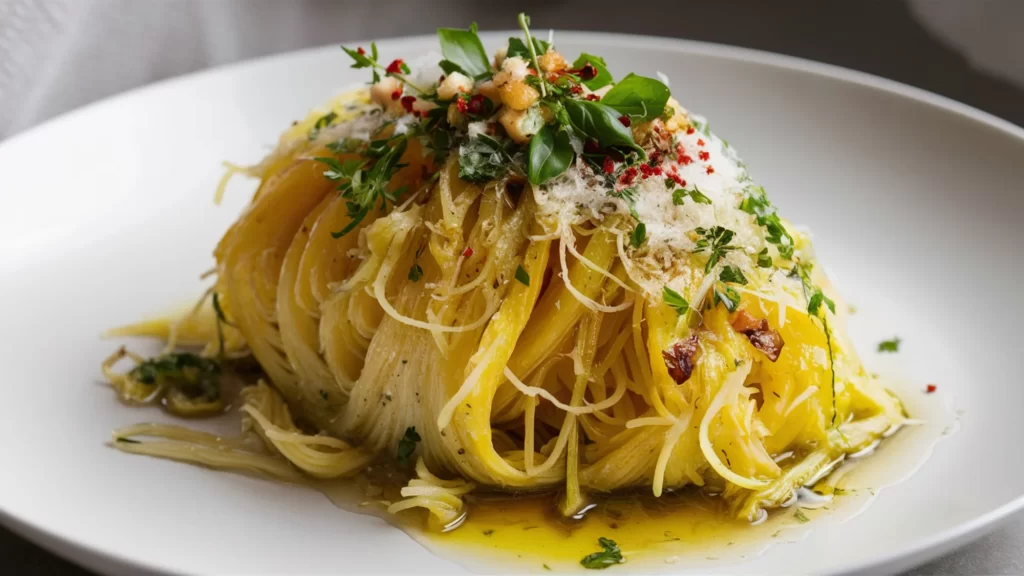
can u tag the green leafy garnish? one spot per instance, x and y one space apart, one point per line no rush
814 304
889 345
195 377
483 159
321 123
732 274
407 445
755 202
675 300
603 76
362 60
636 238
800 516
715 241
464 49
550 154
531 47
415 272
610 556
522 275
362 188
595 121
517 47
680 194
638 97
729 297
763 259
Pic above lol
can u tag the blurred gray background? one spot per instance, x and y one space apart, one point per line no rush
56 55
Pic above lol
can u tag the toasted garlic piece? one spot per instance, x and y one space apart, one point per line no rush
518 95
454 83
521 124
381 92
490 91
552 62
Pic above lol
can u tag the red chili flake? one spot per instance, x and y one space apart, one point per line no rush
710 170
361 51
658 171
680 152
395 67
655 157
931 388
628 176
676 178
588 72
700 141
476 104
396 94
679 359
461 104
625 120
646 170
593 97
576 89
591 146
407 102
468 251
684 160
703 155
690 130
609 165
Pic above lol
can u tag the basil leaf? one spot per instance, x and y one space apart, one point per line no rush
522 275
447 66
464 49
598 122
550 154
516 47
610 556
603 78
638 97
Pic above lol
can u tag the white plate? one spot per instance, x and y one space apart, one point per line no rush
105 217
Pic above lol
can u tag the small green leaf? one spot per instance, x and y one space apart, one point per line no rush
728 297
763 259
816 300
483 159
464 49
890 345
639 97
603 77
732 274
800 516
522 275
447 66
595 121
407 445
516 47
610 556
699 197
549 155
415 273
636 239
675 300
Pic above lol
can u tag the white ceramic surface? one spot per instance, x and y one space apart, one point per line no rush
105 217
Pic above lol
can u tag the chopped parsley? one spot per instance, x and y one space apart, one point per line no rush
193 376
610 556
321 123
680 194
483 159
763 259
675 300
889 345
522 275
755 202
639 234
800 516
732 274
715 241
407 445
415 272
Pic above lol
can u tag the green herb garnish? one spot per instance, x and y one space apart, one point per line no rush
732 274
639 234
415 272
610 556
603 76
715 241
522 275
638 97
321 123
407 445
483 159
800 516
675 300
889 345
550 154
763 259
464 52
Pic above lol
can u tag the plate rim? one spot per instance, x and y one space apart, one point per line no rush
920 550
